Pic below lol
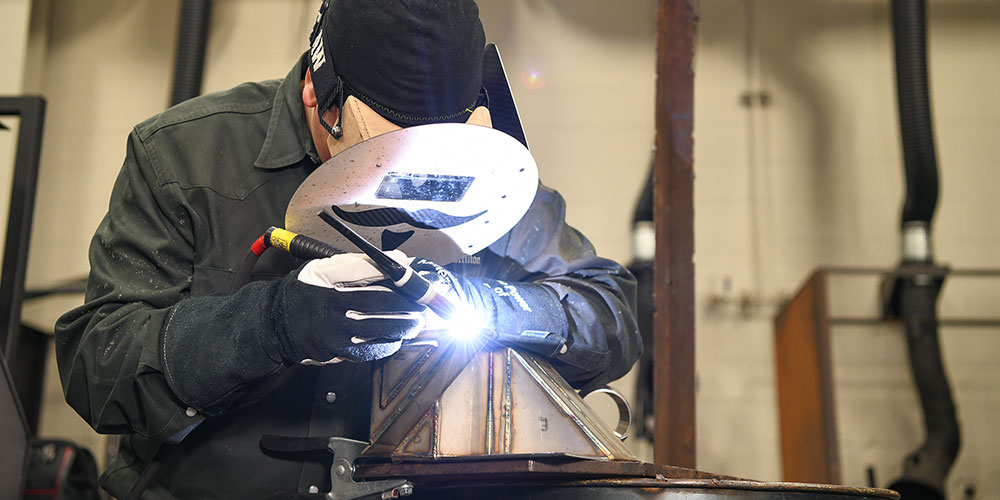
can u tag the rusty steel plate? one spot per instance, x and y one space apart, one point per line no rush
508 467
642 489
563 477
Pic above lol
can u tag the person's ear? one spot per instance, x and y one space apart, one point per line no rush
308 91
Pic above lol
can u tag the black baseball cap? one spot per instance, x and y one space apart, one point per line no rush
412 61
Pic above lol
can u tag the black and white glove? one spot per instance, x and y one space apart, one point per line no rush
214 348
524 315
341 308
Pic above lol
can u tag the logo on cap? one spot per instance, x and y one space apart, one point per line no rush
316 53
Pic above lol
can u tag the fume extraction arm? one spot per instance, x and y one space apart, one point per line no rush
914 288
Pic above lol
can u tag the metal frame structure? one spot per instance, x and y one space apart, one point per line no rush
15 436
804 366
31 110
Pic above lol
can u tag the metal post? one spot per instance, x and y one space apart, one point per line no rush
673 345
31 111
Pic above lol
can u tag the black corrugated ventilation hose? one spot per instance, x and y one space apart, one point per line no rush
924 470
642 267
919 157
189 64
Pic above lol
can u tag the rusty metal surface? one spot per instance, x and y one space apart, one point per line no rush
565 477
525 468
805 386
737 488
571 478
673 188
621 492
763 486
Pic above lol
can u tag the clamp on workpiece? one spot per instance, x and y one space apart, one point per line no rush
343 485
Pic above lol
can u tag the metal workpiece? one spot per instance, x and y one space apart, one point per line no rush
569 478
528 468
665 489
433 402
489 422
624 411
407 390
541 396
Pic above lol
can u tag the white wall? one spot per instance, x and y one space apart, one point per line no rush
813 178
589 120
14 16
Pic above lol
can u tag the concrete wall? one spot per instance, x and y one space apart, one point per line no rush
811 178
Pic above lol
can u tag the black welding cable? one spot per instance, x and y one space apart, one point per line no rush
643 253
148 473
246 267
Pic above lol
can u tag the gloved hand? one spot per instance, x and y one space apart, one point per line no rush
336 308
525 315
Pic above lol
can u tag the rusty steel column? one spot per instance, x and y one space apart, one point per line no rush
673 323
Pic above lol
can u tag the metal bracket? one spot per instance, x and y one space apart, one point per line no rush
624 411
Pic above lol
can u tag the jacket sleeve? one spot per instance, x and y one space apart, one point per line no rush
597 295
109 350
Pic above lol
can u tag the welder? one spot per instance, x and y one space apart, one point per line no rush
192 373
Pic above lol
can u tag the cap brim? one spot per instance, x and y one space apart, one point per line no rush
377 124
360 122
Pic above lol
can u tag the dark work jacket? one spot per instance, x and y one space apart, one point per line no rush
199 184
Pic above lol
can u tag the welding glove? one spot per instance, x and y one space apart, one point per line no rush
523 315
340 308
214 348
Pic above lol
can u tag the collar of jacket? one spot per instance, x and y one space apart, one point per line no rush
288 140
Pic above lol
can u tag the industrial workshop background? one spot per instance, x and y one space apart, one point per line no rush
797 164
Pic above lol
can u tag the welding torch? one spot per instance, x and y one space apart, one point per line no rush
405 280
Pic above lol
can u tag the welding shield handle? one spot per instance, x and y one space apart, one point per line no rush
394 264
298 245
